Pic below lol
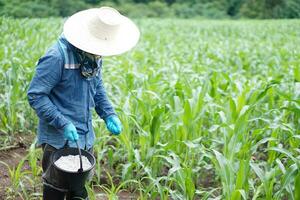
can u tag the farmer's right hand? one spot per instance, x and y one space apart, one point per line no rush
70 132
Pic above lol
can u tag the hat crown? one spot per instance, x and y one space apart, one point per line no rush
106 24
109 16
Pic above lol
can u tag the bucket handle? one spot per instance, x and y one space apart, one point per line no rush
79 150
80 158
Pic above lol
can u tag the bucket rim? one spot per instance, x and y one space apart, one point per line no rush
72 172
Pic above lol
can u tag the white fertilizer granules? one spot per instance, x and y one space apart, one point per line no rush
72 163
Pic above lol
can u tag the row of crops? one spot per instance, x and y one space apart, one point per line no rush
210 109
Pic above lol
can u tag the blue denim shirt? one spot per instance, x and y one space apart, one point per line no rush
60 94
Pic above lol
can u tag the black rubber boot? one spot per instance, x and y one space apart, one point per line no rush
77 195
51 194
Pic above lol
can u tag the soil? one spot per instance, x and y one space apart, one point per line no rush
12 156
122 195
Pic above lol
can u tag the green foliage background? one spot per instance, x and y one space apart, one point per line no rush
210 109
263 9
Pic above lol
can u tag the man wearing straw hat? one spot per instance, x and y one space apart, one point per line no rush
68 83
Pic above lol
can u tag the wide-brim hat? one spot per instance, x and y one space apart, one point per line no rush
101 31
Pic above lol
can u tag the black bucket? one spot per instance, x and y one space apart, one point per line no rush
72 180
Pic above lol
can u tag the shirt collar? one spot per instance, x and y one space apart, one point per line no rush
63 39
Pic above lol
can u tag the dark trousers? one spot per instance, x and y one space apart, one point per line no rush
50 192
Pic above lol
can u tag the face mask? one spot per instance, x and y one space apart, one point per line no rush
90 65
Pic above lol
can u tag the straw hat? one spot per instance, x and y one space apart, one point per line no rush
101 31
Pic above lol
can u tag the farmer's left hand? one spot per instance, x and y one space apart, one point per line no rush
113 124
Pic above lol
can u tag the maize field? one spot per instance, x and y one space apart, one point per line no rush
210 110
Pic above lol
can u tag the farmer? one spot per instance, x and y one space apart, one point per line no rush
68 83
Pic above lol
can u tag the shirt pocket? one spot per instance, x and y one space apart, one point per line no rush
74 85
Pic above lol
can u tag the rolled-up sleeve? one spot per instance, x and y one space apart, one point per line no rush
103 106
47 76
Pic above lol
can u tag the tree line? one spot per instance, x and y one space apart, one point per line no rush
261 9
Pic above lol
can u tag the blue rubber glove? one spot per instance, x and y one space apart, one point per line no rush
70 132
113 124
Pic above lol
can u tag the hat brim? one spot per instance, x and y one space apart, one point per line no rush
77 32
